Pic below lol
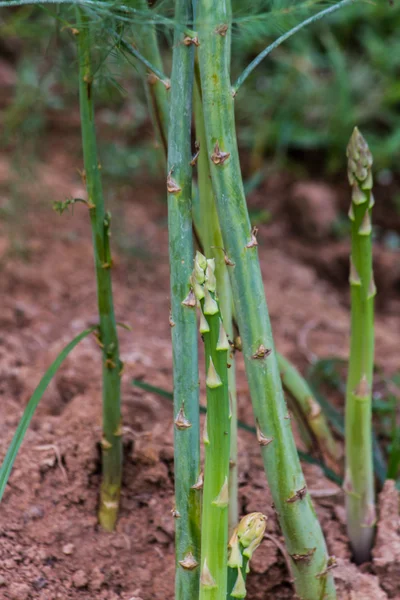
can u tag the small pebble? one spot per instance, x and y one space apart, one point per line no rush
34 512
80 579
68 549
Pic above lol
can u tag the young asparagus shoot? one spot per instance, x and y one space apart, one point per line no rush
207 226
214 527
245 540
300 527
359 479
183 317
309 407
100 220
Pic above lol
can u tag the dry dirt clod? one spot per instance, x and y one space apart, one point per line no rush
352 584
19 591
386 552
97 579
80 579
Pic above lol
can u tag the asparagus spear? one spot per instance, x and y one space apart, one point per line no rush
214 528
359 480
303 535
183 317
245 540
100 220
211 239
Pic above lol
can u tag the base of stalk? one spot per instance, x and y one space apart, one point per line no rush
362 551
361 542
109 506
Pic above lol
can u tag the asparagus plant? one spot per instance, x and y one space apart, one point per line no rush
359 480
183 316
302 532
206 220
214 526
245 540
100 220
298 387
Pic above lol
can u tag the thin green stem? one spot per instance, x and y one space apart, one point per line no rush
359 480
157 91
264 53
150 44
183 318
309 407
119 11
302 532
214 525
145 37
211 239
108 338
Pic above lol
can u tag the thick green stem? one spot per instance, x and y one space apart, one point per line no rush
183 318
302 532
298 387
359 481
156 90
214 525
108 339
211 239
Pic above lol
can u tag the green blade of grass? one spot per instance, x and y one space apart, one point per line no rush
37 395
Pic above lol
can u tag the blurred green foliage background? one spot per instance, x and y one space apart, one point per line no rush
298 107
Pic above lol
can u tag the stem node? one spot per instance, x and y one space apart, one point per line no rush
218 157
189 563
298 495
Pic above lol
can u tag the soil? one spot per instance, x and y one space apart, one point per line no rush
50 544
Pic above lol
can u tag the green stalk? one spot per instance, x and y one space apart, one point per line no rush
211 239
214 527
302 532
359 480
298 387
108 339
156 91
183 317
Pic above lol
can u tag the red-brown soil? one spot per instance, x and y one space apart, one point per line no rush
50 544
